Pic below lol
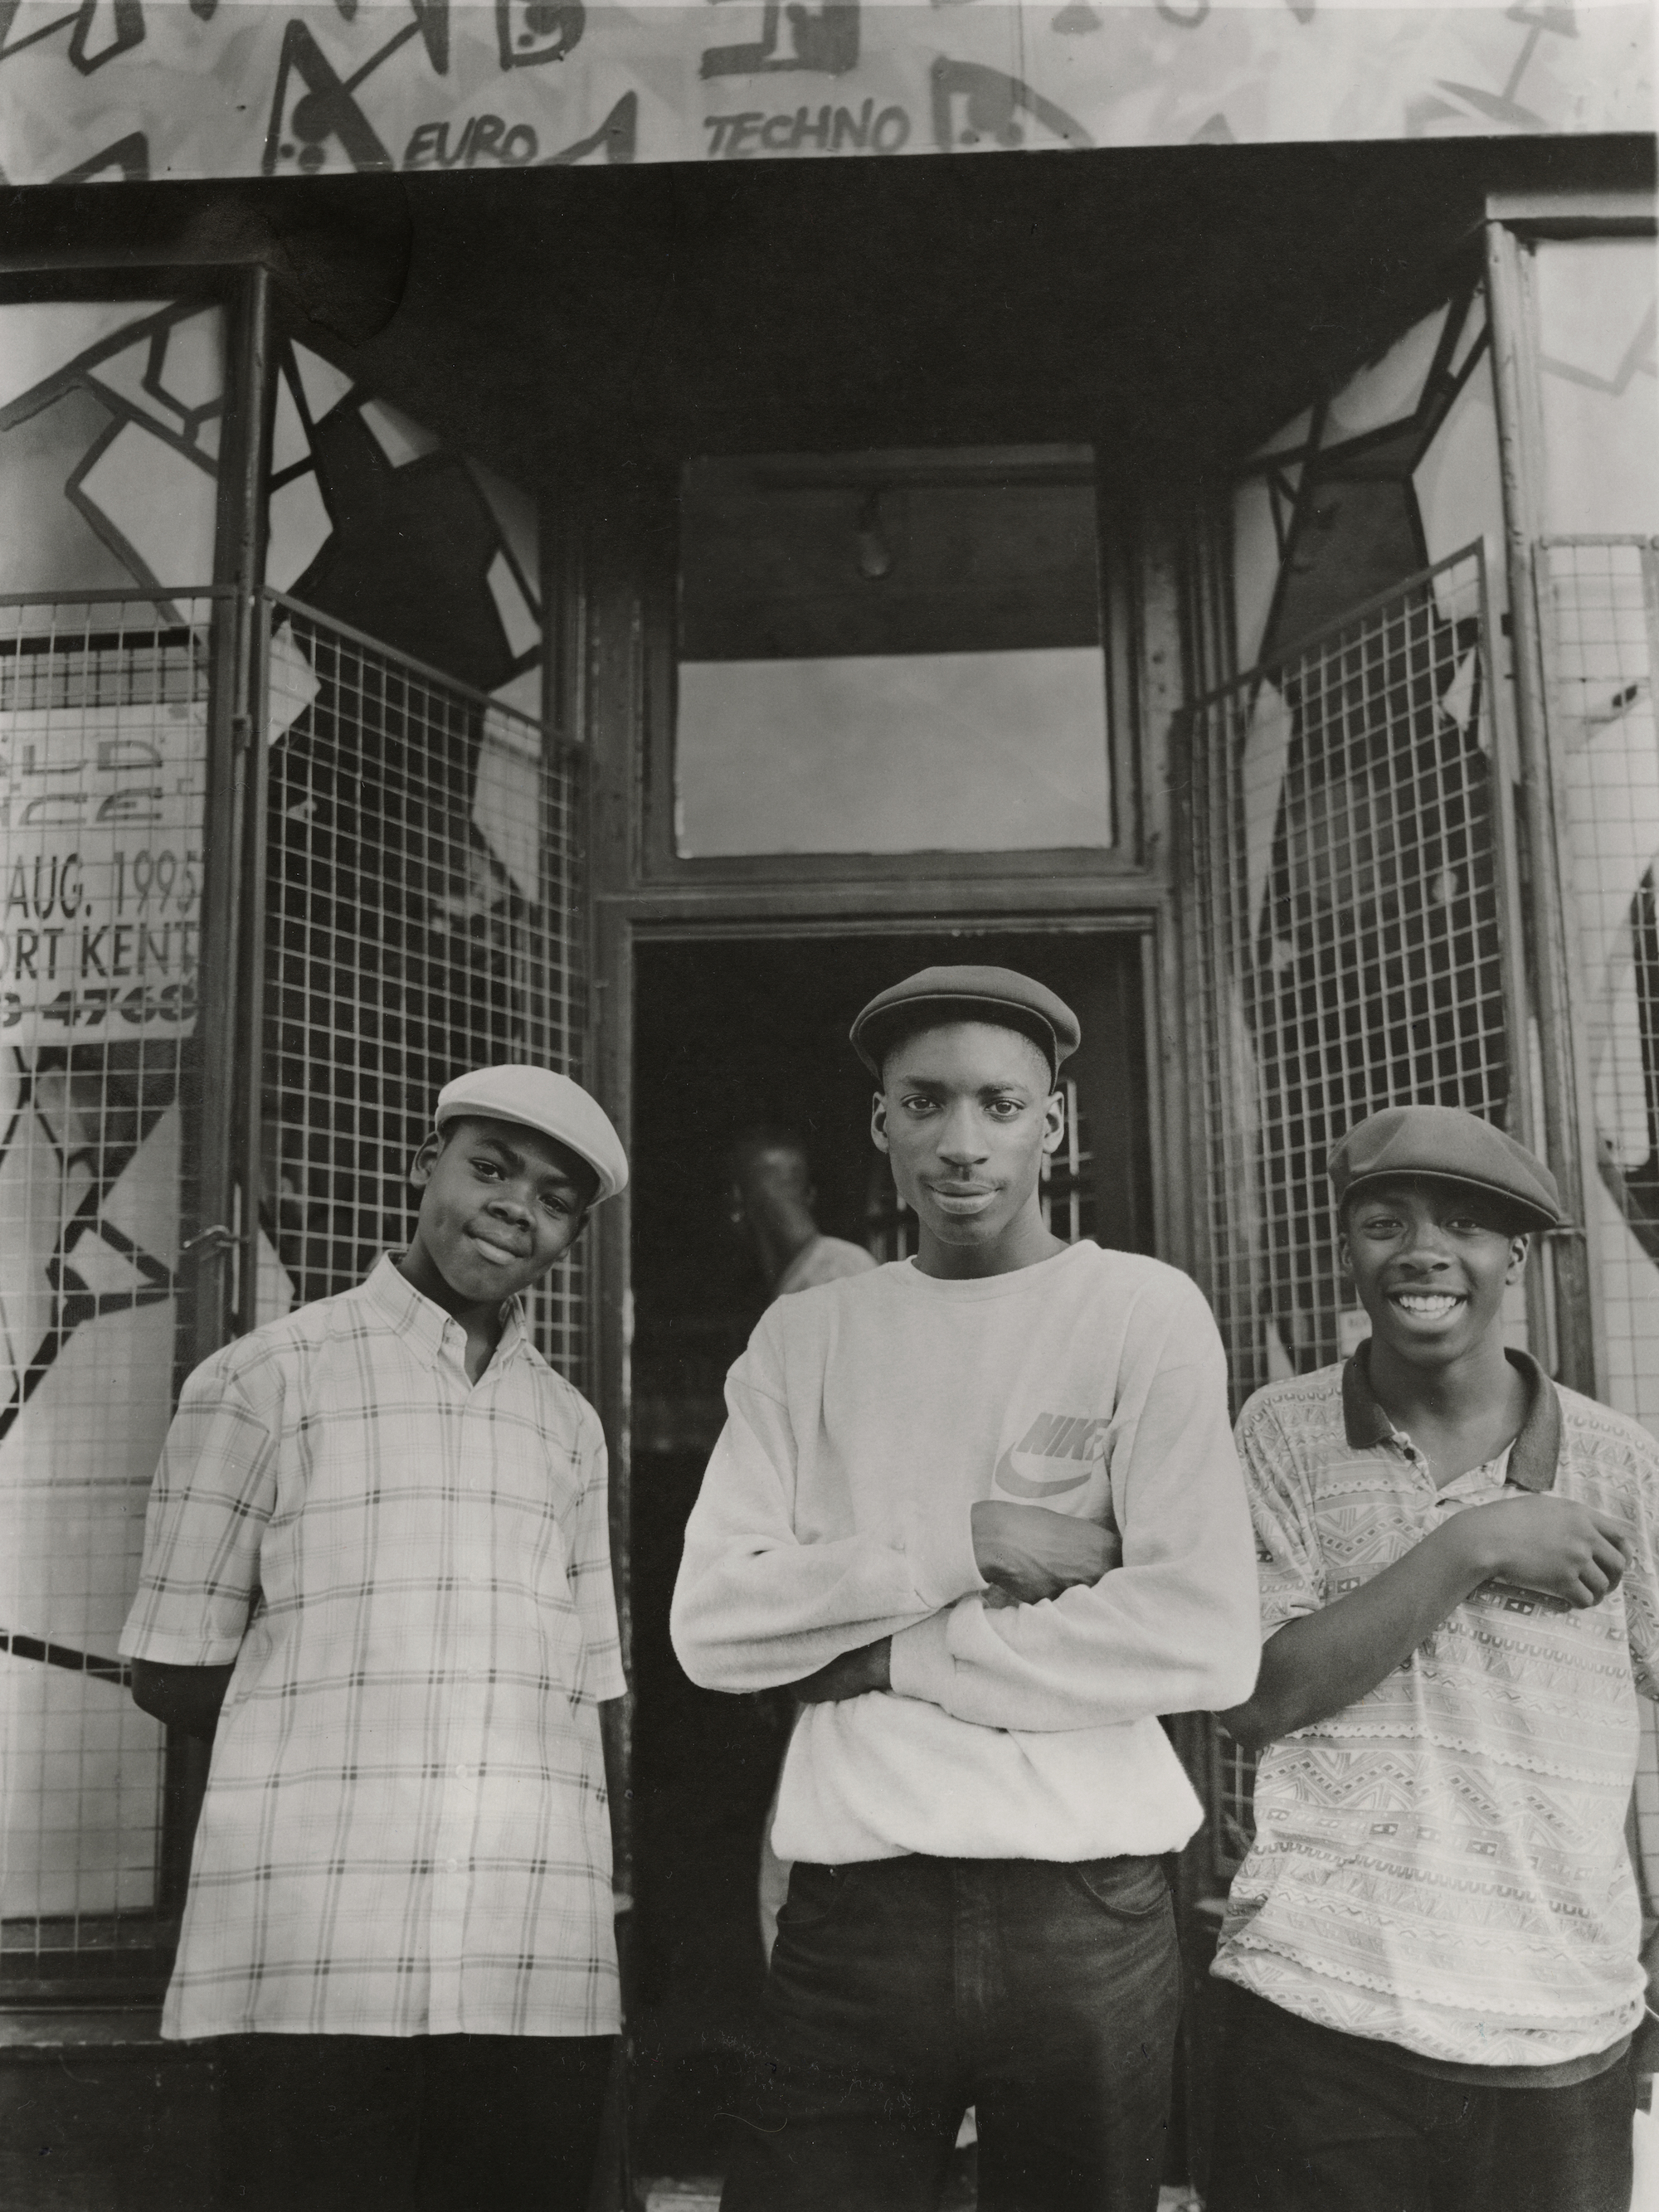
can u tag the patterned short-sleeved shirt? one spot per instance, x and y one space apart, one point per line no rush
1442 1865
405 1830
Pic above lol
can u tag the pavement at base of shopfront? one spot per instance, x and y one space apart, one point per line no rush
702 2194
97 2114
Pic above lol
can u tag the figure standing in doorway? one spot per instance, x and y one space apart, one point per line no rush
915 1516
377 1563
770 1203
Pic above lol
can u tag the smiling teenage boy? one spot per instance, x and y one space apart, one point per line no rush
377 1557
926 1473
1432 1945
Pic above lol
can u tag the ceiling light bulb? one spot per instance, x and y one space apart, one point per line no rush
875 554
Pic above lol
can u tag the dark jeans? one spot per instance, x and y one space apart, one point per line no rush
903 1990
409 2124
1308 2120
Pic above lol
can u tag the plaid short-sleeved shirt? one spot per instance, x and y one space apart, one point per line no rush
405 1830
1442 1865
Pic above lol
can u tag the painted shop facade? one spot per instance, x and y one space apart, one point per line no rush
536 531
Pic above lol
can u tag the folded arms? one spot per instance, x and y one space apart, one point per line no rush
1004 1615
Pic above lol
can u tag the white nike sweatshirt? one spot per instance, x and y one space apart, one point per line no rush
863 1422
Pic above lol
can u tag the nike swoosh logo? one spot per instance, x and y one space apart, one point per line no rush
1009 1477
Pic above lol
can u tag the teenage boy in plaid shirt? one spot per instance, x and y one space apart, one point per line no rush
376 1556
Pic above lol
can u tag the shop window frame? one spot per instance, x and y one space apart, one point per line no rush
136 1971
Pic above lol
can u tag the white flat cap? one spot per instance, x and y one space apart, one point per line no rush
536 1098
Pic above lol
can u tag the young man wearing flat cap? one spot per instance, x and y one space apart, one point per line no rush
1432 1945
377 1557
915 1516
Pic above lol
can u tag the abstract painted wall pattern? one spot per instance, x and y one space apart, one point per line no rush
135 88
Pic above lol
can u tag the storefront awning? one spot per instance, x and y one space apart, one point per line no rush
191 89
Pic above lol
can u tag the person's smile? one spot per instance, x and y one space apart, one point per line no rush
501 1250
1419 1303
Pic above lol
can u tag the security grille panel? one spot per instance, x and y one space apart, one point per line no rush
103 755
1598 604
421 918
1348 923
418 911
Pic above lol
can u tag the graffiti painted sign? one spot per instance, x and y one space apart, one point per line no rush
138 89
100 872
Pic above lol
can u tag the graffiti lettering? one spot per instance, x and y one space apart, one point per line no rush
324 110
618 134
531 32
8 46
483 137
126 31
890 130
825 130
991 105
851 133
1194 14
733 133
194 79
825 38
129 156
433 17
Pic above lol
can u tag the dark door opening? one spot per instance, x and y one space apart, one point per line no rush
730 1032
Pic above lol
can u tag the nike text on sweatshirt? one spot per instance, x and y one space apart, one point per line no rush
864 1421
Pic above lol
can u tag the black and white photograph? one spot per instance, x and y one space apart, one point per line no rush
828 1106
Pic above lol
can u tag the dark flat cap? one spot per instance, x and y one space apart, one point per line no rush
1000 995
1452 1146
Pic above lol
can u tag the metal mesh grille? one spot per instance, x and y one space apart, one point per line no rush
1598 600
1344 952
102 778
1599 609
1068 1196
421 918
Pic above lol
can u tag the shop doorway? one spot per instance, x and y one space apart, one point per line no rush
730 1032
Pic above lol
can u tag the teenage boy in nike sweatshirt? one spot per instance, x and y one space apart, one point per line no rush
981 1510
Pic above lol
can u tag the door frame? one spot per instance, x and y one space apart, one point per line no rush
605 542
621 926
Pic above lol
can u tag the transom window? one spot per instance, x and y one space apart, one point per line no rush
891 653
